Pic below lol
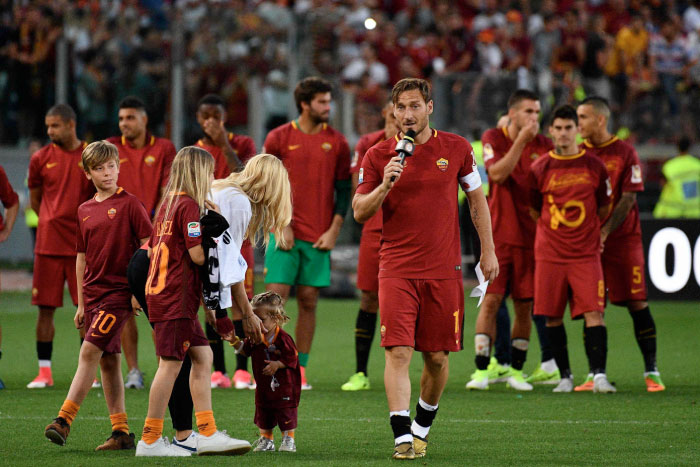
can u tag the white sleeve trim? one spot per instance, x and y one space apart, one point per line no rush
472 180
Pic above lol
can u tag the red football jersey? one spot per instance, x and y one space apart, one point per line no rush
373 227
143 172
108 233
173 289
8 196
243 147
567 192
420 232
64 187
625 172
314 163
509 201
283 389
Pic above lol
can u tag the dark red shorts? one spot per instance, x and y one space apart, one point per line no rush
424 314
623 268
368 262
104 324
580 284
517 269
175 337
249 257
269 418
50 275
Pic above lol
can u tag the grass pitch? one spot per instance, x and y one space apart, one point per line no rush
498 427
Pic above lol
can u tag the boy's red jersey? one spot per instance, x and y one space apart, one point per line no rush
567 192
108 234
8 196
173 289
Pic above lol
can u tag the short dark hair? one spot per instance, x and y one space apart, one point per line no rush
600 105
565 112
521 95
307 89
132 102
211 99
409 84
64 111
683 144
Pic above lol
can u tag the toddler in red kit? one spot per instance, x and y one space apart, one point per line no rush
275 364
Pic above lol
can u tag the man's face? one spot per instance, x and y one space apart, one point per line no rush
319 109
588 120
59 131
524 112
132 123
563 132
210 112
412 112
104 176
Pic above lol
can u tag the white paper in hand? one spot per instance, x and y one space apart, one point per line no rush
479 290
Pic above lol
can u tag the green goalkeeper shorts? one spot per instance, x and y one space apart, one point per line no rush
302 265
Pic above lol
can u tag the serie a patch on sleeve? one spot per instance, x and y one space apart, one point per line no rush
193 229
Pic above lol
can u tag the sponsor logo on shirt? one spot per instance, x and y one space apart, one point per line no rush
488 152
51 165
361 177
442 164
611 166
193 229
292 147
326 146
111 213
567 179
636 174
149 160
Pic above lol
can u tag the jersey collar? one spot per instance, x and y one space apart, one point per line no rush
151 140
567 158
274 338
435 135
607 143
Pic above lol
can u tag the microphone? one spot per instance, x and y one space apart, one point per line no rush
405 147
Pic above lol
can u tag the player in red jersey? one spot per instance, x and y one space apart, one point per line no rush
570 195
173 294
368 261
276 368
317 158
621 234
110 228
144 169
509 152
57 186
420 279
10 202
231 151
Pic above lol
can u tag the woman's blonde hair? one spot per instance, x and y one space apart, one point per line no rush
273 303
190 174
265 182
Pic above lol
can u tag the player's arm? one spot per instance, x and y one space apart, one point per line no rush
10 218
342 201
197 255
364 206
79 318
481 218
500 170
35 199
619 213
232 160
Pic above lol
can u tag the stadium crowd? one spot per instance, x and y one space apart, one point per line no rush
641 54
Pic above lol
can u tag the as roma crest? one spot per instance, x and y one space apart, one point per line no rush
111 213
326 146
442 164
149 160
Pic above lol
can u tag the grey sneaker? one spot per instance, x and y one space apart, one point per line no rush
602 385
287 445
565 385
263 444
134 379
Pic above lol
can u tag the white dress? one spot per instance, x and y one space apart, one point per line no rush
235 207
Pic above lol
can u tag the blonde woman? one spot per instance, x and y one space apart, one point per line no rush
254 201
173 292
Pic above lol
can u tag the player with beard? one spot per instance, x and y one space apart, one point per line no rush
621 234
421 294
144 168
317 158
57 186
368 261
231 151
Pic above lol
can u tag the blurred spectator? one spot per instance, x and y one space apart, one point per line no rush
669 59
544 44
626 62
691 16
366 63
598 46
91 90
276 100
